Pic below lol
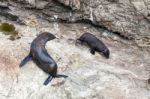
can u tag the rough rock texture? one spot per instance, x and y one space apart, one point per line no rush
129 19
123 76
74 4
117 23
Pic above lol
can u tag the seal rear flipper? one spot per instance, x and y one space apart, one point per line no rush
25 60
59 76
48 80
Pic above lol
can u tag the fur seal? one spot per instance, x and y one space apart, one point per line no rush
40 56
95 44
148 81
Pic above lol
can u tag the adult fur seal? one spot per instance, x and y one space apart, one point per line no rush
95 44
40 56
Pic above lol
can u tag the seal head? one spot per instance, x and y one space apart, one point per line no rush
47 36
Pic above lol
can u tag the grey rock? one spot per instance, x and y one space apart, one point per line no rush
123 76
129 19
119 24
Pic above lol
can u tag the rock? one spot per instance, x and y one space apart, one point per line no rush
41 4
129 19
119 24
124 75
126 17
74 4
38 4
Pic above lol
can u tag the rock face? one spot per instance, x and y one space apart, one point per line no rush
74 4
123 76
119 24
130 19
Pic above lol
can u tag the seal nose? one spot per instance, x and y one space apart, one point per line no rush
106 53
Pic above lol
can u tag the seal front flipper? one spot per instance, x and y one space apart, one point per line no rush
25 60
92 51
48 80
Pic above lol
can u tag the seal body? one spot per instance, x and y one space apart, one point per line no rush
95 44
40 56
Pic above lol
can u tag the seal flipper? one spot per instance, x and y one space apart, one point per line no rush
92 51
25 60
59 75
48 80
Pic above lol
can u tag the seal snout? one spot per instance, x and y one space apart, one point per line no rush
51 36
106 53
47 35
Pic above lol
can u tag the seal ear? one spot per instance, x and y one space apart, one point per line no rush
25 60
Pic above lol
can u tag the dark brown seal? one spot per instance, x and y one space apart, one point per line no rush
40 56
95 44
148 81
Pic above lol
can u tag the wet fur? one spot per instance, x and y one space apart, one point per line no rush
40 56
95 44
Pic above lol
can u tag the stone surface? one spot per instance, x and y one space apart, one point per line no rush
74 4
130 19
123 76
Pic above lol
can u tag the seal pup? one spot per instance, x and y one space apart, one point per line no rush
148 81
40 56
94 43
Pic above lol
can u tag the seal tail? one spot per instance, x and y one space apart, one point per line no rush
25 60
48 80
